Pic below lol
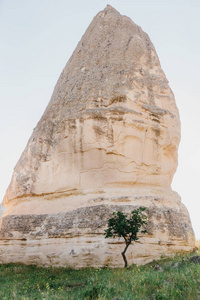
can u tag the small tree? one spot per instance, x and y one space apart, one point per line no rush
122 226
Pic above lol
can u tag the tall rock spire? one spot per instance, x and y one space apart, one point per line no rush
107 141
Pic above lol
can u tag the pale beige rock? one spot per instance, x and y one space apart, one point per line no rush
107 141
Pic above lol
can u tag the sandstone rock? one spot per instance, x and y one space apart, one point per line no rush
107 141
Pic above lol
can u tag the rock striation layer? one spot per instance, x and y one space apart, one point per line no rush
107 141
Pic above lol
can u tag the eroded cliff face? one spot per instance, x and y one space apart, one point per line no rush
107 141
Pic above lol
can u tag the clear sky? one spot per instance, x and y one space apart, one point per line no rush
37 37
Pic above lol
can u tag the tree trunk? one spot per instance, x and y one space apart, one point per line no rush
124 256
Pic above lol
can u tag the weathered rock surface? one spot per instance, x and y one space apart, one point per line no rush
107 141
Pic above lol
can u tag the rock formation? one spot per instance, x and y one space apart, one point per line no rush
107 141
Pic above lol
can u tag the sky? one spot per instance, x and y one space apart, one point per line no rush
37 37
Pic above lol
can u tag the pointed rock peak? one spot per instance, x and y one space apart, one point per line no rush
109 10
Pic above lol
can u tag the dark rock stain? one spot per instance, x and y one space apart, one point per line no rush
92 218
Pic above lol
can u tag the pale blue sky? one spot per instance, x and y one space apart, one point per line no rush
39 36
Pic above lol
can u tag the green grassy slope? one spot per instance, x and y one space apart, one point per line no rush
170 278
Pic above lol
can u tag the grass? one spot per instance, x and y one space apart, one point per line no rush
172 278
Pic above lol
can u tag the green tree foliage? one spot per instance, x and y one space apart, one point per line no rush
120 225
